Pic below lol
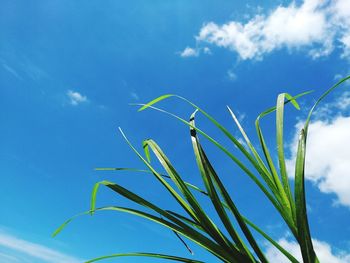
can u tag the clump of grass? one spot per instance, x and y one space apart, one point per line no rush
236 242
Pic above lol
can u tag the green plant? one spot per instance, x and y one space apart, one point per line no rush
195 224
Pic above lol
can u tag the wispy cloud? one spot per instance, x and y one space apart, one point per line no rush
134 95
76 98
11 70
33 71
189 52
327 159
32 250
22 67
323 251
5 258
317 27
194 52
231 75
207 51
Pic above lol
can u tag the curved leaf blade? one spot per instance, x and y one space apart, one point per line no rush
156 100
142 254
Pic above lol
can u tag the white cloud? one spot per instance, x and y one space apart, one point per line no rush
315 26
327 155
10 70
33 71
231 75
323 251
206 50
343 102
134 95
194 52
76 98
23 67
189 52
345 40
5 258
32 250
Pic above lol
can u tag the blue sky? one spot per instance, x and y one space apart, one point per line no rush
70 69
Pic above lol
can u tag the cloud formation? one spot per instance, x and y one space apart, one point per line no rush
323 251
9 69
32 250
76 98
134 95
317 27
231 75
189 52
327 157
194 52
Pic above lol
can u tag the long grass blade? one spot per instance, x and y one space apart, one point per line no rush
63 226
305 241
217 124
142 254
280 148
273 242
279 191
230 155
194 187
282 198
320 99
155 101
209 175
183 228
183 242
186 220
272 198
260 169
267 178
172 191
203 218
146 150
187 232
304 237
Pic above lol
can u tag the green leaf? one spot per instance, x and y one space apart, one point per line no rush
155 101
93 198
61 227
183 242
304 236
176 225
142 254
148 171
202 216
266 175
304 239
280 148
146 150
273 242
231 156
283 197
209 176
121 169
278 190
180 227
320 99
171 190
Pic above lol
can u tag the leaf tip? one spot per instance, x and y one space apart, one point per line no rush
156 100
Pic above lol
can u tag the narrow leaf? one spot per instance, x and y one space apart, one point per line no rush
155 101
304 236
142 254
273 242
